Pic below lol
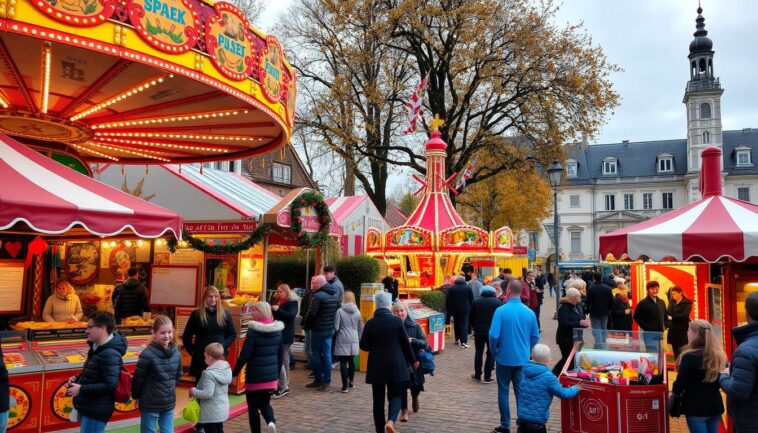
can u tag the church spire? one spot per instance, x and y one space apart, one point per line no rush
701 58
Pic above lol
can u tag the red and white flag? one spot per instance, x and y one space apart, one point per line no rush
416 105
460 181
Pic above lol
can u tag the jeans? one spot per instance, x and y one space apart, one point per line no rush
394 398
321 356
537 314
92 425
480 341
415 391
703 424
212 427
3 421
652 340
460 326
150 420
284 380
505 375
599 328
347 369
307 345
259 402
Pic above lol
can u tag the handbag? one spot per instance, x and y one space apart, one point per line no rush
675 404
192 411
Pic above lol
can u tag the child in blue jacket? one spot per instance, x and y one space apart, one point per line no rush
537 388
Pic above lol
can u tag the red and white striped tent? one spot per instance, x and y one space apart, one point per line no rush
710 229
355 214
44 196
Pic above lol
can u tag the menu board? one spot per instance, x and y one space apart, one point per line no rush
11 286
251 271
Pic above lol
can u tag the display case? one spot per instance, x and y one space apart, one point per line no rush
431 321
622 378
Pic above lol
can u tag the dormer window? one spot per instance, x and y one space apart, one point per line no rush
706 137
665 163
610 166
743 156
705 110
571 168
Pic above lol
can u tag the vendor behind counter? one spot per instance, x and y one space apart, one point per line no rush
63 305
130 297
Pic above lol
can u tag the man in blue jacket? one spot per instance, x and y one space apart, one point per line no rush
513 334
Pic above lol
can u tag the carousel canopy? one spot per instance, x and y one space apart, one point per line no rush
43 195
712 228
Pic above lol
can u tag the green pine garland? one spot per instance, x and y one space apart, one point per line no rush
315 199
227 248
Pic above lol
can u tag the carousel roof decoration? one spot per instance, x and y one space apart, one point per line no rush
435 226
143 82
710 229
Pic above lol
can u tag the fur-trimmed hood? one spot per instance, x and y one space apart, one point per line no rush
275 326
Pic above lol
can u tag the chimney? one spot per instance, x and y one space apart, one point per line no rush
710 172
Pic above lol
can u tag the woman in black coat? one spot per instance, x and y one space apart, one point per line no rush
621 310
418 342
210 323
285 310
678 313
389 355
570 316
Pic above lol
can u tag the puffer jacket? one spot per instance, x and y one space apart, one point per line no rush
323 309
286 314
482 311
262 352
741 384
537 388
347 328
99 378
680 321
569 316
129 299
458 300
154 381
418 342
212 392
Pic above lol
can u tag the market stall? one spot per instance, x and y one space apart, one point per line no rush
355 214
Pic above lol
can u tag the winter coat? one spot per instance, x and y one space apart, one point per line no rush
650 315
4 385
154 381
389 351
680 321
741 384
569 316
347 330
61 310
599 300
286 314
212 392
482 311
99 378
700 398
323 309
620 320
476 287
261 353
339 288
537 388
197 336
129 299
418 342
391 286
458 300
526 295
305 303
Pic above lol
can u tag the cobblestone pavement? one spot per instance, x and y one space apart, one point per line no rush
452 401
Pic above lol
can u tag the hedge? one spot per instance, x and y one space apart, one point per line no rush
356 270
434 299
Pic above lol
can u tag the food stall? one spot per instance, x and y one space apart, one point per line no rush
432 322
434 242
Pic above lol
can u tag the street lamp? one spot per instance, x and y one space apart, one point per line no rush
555 173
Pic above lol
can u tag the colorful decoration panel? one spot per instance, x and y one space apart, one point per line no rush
228 42
464 239
169 25
83 13
502 240
272 69
408 238
373 240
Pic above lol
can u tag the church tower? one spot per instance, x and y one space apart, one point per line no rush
702 98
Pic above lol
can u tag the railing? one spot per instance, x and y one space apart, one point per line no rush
703 84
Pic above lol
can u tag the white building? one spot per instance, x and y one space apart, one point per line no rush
610 186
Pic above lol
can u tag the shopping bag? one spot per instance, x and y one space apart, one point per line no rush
192 412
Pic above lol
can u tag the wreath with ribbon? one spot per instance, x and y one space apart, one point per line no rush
255 237
316 200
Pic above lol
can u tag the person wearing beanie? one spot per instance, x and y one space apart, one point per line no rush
389 354
458 306
482 311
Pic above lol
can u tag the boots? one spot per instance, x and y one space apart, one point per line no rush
404 415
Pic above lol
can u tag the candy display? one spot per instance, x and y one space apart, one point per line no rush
618 368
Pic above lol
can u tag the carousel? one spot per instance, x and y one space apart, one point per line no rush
434 242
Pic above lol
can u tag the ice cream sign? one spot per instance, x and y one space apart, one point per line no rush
228 41
168 25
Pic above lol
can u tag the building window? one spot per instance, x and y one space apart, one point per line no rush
232 166
628 201
574 201
694 194
647 201
610 166
743 157
665 164
668 200
576 242
706 137
705 111
743 193
571 169
281 173
610 202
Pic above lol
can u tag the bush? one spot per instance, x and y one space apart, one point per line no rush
434 299
290 270
356 270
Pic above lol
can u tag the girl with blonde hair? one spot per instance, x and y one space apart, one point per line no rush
210 323
698 369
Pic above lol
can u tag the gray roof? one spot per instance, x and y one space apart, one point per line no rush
639 159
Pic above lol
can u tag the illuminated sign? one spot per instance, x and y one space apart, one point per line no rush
169 25
84 13
228 42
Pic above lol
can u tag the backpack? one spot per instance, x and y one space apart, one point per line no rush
123 392
426 361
